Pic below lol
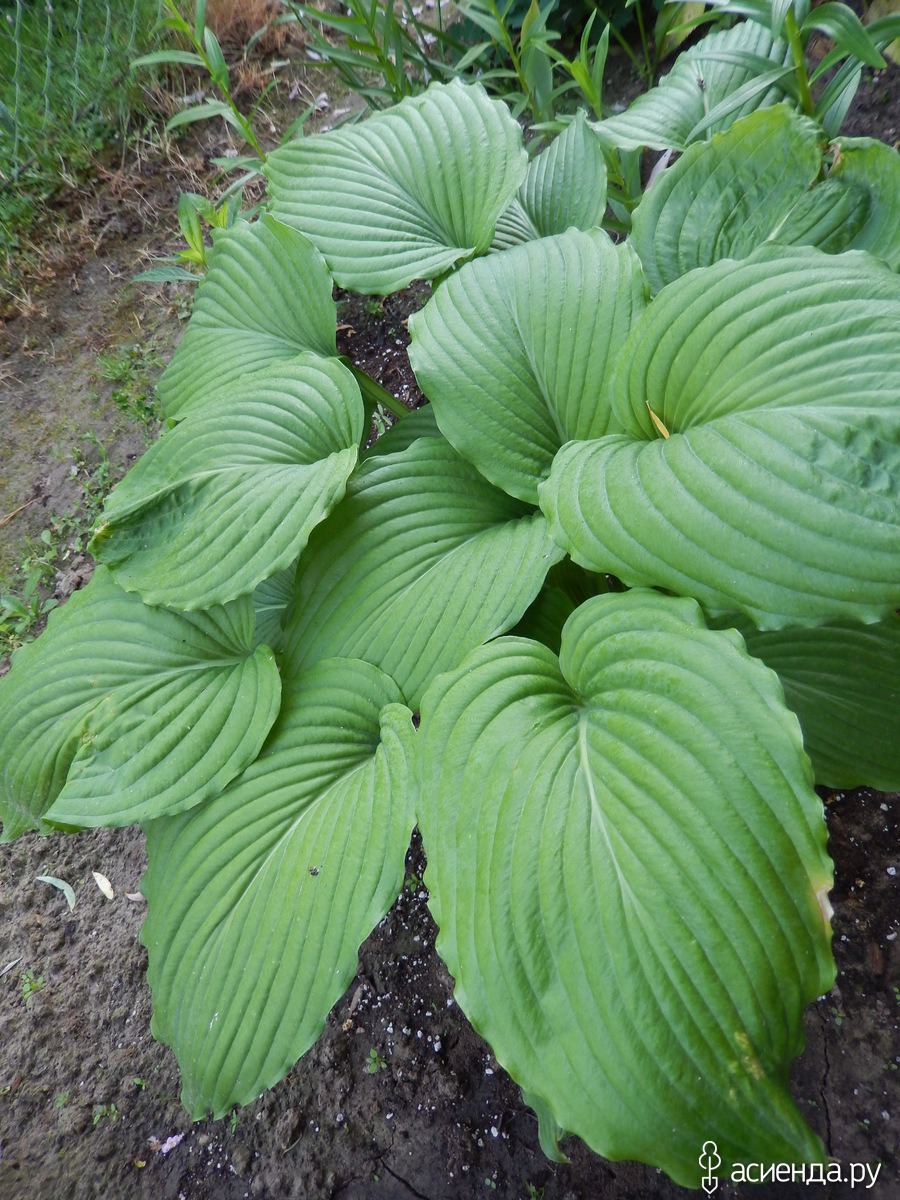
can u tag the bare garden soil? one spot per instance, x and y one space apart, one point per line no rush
400 1098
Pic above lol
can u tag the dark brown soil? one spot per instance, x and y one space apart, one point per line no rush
89 1102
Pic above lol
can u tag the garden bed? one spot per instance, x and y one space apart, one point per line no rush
400 1098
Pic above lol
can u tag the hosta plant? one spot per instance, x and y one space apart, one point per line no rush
565 619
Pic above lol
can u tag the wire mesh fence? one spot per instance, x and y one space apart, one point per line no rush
61 63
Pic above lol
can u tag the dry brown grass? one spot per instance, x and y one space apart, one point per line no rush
234 22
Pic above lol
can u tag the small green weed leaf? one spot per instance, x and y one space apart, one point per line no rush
258 902
515 351
218 68
408 194
119 711
698 84
231 494
843 682
760 468
267 297
203 112
565 186
758 182
627 864
167 58
421 561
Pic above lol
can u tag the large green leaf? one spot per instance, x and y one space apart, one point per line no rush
267 298
516 350
258 901
229 497
843 682
776 493
270 601
874 167
758 182
407 194
120 712
422 561
626 861
725 76
565 187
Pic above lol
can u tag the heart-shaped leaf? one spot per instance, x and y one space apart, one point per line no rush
407 195
230 496
627 864
515 351
267 297
421 561
258 901
760 469
120 712
565 187
758 182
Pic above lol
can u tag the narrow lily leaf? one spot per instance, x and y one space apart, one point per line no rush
698 83
758 182
743 100
777 381
120 712
565 186
839 22
843 682
165 57
516 350
422 561
267 297
230 496
409 194
627 864
258 902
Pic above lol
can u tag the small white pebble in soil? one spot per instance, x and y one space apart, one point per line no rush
488 1071
892 870
495 1132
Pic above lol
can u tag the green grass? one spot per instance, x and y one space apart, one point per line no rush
65 93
